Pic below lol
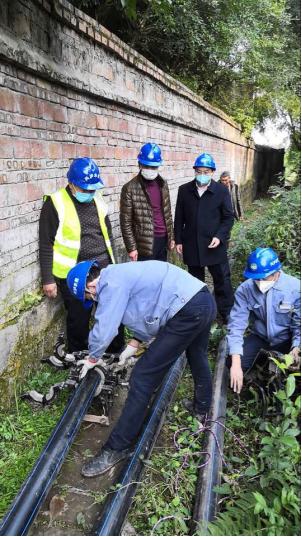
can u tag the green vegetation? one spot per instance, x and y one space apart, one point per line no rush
271 222
242 56
23 432
261 489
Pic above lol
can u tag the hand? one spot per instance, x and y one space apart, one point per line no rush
172 245
133 255
127 353
87 364
50 290
296 354
179 249
236 374
214 243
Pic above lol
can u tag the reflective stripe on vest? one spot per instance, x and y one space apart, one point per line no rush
68 237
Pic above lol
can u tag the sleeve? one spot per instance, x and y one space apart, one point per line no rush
227 218
48 225
296 323
126 220
179 218
108 316
170 229
112 241
239 203
239 320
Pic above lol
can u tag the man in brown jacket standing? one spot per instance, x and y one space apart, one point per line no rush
145 213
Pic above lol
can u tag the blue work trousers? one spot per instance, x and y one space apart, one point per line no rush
188 330
252 345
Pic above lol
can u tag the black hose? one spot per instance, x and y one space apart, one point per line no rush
118 504
209 476
33 491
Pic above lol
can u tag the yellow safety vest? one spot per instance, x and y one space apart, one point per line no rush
68 237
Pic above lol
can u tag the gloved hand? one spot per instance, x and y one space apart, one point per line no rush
127 353
87 364
296 354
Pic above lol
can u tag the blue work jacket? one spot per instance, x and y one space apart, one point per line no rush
274 316
143 296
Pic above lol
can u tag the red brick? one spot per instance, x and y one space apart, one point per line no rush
8 100
52 112
22 148
6 147
102 122
69 150
28 106
33 192
83 150
38 149
54 150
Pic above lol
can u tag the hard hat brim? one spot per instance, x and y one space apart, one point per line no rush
85 186
259 275
148 163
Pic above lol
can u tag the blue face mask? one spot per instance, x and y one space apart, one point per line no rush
84 197
203 179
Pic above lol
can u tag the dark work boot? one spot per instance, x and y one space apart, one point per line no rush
106 459
190 407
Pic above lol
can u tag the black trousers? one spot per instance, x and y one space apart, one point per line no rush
160 250
78 321
188 330
223 290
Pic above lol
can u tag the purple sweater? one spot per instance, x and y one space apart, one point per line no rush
154 193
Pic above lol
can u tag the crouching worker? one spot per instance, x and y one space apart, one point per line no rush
155 300
270 300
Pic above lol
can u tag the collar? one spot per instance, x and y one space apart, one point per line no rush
280 283
211 188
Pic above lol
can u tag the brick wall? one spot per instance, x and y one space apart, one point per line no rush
69 88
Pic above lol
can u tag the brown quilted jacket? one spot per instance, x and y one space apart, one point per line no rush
136 216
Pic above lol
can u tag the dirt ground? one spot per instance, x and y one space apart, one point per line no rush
73 503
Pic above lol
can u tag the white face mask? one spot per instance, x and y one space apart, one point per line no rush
264 285
149 174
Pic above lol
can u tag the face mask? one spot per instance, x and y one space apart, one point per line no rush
203 179
264 285
149 174
84 197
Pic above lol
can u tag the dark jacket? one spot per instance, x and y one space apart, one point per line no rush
136 216
199 219
236 200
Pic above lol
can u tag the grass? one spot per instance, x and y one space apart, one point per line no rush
24 430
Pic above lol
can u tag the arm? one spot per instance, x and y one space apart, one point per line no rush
113 300
239 204
126 210
238 323
227 218
179 218
48 225
169 219
296 323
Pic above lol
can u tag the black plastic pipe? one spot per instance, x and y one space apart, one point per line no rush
33 491
118 504
209 476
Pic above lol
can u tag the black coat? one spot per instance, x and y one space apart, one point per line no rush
199 219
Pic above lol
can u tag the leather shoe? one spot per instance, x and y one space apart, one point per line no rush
106 459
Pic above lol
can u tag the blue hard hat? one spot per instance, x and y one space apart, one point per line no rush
76 281
205 161
261 263
84 172
150 155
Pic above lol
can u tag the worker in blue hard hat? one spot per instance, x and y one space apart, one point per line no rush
74 226
162 304
203 221
145 209
270 301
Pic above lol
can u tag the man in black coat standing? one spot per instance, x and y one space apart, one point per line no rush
203 222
